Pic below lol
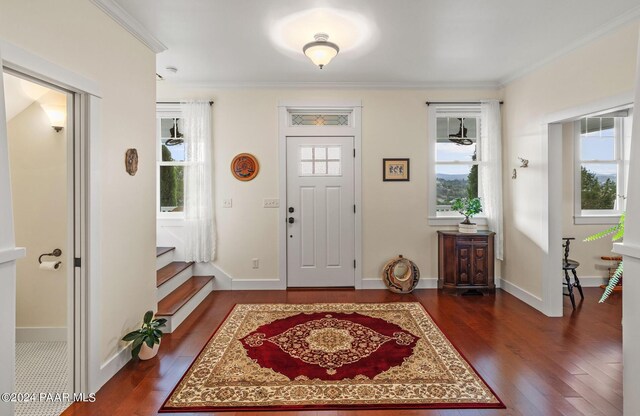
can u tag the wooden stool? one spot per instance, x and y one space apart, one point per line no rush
572 265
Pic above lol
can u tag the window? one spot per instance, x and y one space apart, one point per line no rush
171 163
455 140
320 160
600 168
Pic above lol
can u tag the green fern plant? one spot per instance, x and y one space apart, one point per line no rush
618 232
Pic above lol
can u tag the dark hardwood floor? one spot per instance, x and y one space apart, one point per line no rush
537 365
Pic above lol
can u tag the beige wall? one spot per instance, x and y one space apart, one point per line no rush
79 37
38 162
601 69
588 254
394 124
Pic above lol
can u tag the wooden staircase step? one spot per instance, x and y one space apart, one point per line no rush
163 250
176 299
170 270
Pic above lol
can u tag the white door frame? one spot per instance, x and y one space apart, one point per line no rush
285 129
86 148
552 299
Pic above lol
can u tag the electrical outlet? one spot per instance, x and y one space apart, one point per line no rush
227 203
256 263
271 202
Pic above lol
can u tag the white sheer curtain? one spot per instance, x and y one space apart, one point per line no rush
200 240
491 169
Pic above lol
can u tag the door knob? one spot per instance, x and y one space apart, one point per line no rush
291 209
291 220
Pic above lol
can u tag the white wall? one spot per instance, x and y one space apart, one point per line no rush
394 124
38 162
77 36
601 69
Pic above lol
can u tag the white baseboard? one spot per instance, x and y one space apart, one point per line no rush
527 297
34 334
257 284
221 280
377 283
111 367
592 281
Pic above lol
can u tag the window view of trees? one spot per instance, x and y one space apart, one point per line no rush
598 191
171 184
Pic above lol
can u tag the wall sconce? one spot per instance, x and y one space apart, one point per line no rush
57 115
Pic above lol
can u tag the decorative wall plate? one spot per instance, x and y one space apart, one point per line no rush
245 167
131 161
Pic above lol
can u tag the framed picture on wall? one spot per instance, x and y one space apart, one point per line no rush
395 170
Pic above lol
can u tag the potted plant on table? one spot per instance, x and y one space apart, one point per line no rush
146 340
467 207
618 233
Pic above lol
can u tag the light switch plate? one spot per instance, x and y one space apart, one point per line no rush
227 203
271 202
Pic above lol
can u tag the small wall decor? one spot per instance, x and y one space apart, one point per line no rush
131 161
395 170
245 167
400 275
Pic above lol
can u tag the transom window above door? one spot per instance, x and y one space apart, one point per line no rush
319 119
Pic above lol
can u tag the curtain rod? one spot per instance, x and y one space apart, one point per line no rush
175 102
456 102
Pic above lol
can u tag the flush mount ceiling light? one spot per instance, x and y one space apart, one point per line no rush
321 51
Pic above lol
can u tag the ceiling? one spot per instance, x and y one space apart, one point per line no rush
400 42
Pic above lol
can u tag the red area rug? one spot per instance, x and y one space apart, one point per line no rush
329 356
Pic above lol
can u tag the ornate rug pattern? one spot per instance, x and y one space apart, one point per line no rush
329 356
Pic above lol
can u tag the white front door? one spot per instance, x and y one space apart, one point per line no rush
320 212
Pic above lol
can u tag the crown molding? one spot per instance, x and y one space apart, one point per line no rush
603 30
492 85
130 24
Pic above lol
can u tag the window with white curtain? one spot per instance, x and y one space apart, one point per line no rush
170 156
456 157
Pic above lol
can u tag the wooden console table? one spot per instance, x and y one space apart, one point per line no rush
465 262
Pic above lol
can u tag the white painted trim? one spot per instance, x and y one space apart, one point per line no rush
130 24
516 291
284 131
603 30
604 105
552 300
256 284
173 322
172 284
596 219
27 63
12 254
463 85
221 279
112 365
627 250
377 283
33 334
592 281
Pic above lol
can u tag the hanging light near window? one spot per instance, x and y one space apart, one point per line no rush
321 51
57 115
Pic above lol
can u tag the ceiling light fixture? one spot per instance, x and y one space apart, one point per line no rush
321 51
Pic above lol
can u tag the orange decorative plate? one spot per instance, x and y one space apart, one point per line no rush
245 167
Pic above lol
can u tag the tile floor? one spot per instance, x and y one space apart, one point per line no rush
41 367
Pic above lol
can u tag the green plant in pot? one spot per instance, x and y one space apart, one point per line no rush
618 233
146 340
467 207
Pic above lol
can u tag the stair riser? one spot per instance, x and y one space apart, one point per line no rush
173 283
185 311
164 259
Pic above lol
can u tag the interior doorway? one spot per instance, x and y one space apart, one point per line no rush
41 136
